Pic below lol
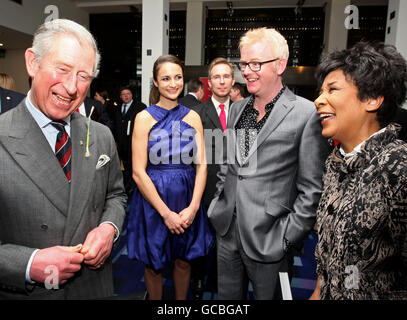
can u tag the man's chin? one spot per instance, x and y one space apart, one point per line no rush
60 115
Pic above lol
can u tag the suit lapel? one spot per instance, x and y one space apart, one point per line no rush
282 107
31 150
239 106
130 112
83 171
212 114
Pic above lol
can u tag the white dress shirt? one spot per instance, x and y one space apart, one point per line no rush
226 108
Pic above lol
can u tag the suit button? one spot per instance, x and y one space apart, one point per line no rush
240 178
44 227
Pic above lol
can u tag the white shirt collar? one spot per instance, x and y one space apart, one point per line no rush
217 103
357 149
193 94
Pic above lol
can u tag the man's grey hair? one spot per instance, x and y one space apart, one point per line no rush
46 33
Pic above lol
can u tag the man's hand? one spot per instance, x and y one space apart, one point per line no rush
98 245
65 261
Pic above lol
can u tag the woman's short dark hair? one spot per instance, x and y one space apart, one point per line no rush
376 69
154 93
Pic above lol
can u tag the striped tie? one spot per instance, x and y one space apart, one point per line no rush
63 148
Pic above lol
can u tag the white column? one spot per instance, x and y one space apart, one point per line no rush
336 35
397 26
154 40
195 34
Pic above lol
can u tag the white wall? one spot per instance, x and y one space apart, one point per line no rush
155 39
195 34
26 18
14 65
335 35
396 27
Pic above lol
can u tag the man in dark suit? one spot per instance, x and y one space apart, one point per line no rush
214 114
9 99
195 93
62 196
123 129
220 81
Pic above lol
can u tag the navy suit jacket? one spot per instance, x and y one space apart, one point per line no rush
9 99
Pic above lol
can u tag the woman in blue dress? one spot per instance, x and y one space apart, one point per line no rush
167 220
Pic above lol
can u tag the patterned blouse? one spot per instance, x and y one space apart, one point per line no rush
362 222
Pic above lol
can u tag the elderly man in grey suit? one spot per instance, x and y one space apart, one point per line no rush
269 188
61 191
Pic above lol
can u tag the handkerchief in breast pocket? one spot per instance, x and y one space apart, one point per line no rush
103 160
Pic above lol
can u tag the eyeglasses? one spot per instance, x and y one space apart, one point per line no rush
253 65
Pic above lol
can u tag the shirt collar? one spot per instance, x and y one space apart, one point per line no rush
217 103
40 117
357 149
193 94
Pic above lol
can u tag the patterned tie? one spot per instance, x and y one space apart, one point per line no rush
222 116
63 148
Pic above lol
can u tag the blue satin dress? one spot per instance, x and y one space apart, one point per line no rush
171 148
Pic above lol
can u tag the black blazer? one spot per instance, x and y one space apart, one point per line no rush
189 101
120 125
99 113
210 121
401 118
9 99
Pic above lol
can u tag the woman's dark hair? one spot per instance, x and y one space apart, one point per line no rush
104 94
154 93
376 69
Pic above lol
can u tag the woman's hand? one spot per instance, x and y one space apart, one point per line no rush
316 294
187 216
173 222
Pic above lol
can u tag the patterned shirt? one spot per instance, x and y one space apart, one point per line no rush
249 126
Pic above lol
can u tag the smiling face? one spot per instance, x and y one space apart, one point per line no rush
62 78
344 117
267 82
170 82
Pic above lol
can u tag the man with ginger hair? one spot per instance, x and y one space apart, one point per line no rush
270 186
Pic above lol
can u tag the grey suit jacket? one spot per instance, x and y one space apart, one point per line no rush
276 190
40 209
